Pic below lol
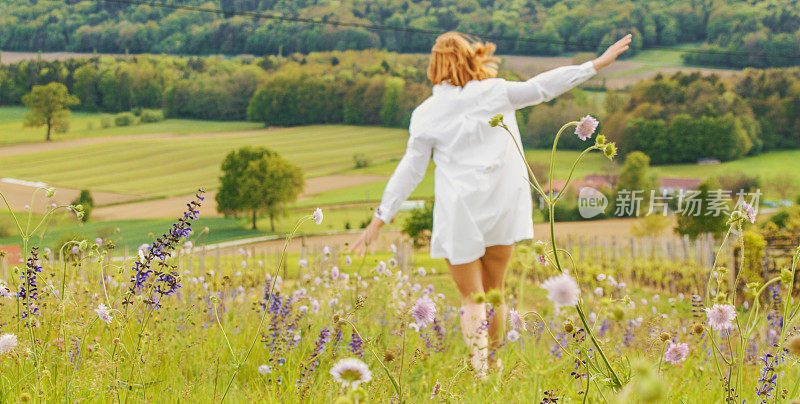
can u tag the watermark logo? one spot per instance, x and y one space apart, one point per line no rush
591 202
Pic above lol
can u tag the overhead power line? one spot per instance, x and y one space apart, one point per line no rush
432 32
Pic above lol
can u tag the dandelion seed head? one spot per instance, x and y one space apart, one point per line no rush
7 343
562 290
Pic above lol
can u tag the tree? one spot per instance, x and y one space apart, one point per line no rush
257 180
85 199
704 218
49 106
635 177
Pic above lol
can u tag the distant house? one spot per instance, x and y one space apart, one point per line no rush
671 186
707 161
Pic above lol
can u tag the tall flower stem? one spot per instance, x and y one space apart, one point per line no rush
551 201
786 305
269 300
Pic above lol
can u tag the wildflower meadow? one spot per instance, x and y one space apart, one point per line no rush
84 324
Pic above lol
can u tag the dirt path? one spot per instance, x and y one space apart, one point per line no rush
171 207
19 196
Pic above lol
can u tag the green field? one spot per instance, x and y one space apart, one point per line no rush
133 233
86 124
176 166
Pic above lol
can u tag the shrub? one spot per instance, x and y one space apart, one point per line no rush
360 160
419 225
124 119
105 121
151 115
85 199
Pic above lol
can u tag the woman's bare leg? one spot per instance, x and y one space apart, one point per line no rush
495 262
468 280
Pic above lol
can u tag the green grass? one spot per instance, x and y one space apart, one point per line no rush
86 124
133 233
176 166
371 192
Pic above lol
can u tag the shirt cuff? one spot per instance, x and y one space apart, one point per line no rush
383 214
588 67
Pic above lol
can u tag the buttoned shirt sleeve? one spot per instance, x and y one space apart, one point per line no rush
548 85
408 174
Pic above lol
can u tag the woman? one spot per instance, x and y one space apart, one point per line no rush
483 201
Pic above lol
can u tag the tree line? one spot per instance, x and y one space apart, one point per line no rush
678 118
556 27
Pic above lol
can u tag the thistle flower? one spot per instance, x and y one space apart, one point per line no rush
512 335
542 259
317 215
5 291
7 343
436 389
516 320
424 311
348 260
335 273
749 211
721 316
351 372
421 271
562 290
599 291
264 369
586 127
104 313
676 353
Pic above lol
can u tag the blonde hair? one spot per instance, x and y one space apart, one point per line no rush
456 60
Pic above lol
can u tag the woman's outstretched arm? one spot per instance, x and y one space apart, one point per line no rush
550 84
408 174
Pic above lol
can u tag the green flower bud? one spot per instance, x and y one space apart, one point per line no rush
618 312
786 277
496 120
569 328
751 289
600 140
539 247
479 297
50 192
649 389
665 336
495 297
610 150
794 344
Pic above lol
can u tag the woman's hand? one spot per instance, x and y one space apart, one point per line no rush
612 52
369 235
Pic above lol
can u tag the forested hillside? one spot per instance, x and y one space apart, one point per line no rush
748 29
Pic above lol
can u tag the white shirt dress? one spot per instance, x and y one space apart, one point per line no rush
481 192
